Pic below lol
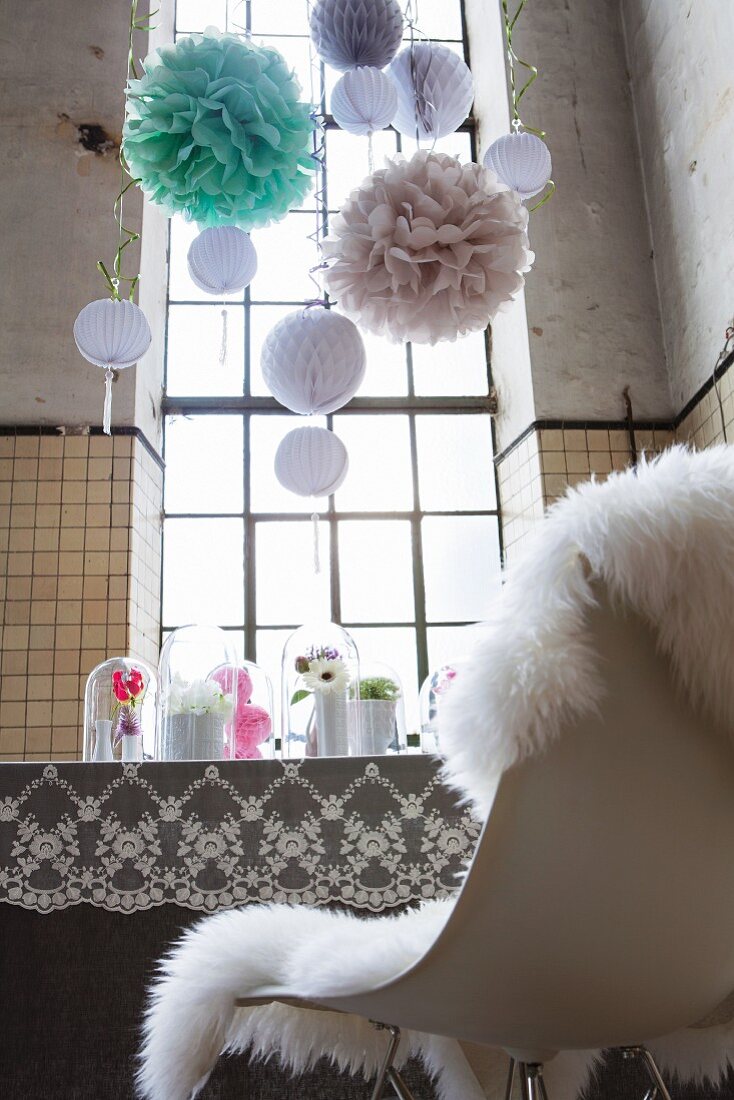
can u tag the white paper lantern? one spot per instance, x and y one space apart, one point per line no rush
347 33
313 361
113 335
435 91
311 462
364 100
521 161
222 260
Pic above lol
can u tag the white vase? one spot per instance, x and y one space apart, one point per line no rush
103 740
377 726
132 748
193 737
332 723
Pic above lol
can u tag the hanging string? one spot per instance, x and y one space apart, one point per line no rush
126 236
318 116
425 111
223 345
517 94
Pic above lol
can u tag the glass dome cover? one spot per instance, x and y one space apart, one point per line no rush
120 711
382 726
251 724
319 682
432 693
197 699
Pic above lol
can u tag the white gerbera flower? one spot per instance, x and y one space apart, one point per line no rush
326 676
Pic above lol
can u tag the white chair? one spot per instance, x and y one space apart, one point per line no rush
598 910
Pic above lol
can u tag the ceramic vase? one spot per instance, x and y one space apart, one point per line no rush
193 737
332 723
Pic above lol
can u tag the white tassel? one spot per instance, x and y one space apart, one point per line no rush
370 154
107 417
223 345
316 554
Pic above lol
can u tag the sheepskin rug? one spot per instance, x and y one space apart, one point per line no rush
661 538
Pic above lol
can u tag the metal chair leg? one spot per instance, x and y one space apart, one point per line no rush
524 1081
383 1075
510 1079
401 1089
534 1084
652 1069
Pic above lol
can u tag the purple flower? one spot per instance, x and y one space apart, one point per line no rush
128 724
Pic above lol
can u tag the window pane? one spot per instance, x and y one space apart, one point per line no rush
438 18
203 572
387 368
450 643
204 464
347 160
294 50
181 286
284 257
461 563
376 570
194 345
452 370
379 478
283 17
455 463
288 589
268 495
457 144
394 646
192 15
262 319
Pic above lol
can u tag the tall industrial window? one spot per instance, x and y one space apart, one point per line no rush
410 544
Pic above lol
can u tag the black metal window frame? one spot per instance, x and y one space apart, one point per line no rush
247 405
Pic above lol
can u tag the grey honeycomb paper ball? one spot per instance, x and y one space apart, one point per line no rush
347 33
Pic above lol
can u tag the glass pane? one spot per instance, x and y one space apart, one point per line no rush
194 346
347 161
461 563
294 50
455 464
192 15
452 370
181 286
447 644
376 571
379 478
288 589
387 368
438 18
284 257
283 17
455 145
262 319
267 494
269 654
203 572
394 646
204 464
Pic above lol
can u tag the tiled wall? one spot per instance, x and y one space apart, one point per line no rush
537 470
79 578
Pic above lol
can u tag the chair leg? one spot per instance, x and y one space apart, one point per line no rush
401 1089
386 1066
524 1081
510 1079
652 1069
534 1086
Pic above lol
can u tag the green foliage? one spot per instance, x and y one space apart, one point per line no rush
379 687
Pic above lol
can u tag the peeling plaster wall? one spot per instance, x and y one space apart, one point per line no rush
591 303
62 75
679 55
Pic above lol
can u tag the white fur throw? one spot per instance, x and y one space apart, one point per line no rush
662 539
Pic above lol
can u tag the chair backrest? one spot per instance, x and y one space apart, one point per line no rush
599 907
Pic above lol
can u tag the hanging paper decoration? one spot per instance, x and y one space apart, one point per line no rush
112 334
215 130
435 91
222 260
348 33
427 249
313 361
311 462
364 100
521 161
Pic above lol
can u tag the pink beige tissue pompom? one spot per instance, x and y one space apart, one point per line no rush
427 249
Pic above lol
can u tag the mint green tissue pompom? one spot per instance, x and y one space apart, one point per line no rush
215 130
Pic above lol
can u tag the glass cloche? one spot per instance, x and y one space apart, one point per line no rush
198 695
320 682
251 725
381 711
119 711
433 691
